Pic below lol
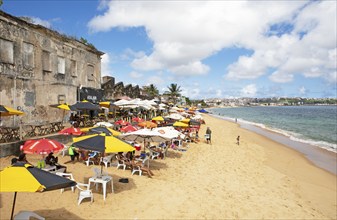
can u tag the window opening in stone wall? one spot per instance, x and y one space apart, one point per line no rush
90 72
61 65
61 99
46 66
28 55
73 68
6 51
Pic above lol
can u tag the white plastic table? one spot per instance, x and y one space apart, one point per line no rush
103 180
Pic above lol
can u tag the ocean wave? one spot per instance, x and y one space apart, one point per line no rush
291 135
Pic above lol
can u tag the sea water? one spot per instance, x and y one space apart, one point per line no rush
314 125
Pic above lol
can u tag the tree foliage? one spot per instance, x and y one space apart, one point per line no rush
151 90
174 92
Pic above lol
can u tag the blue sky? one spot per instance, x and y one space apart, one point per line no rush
211 49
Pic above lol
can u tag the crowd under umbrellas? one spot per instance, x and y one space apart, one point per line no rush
104 139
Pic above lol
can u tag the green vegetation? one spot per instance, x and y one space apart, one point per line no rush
174 92
151 90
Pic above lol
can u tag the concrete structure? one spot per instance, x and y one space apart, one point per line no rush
39 67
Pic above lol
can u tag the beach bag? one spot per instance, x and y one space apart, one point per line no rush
123 180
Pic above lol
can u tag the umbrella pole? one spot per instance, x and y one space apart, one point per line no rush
13 205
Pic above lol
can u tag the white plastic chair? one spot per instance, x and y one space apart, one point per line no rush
139 167
69 176
106 160
91 156
26 215
84 193
120 162
64 150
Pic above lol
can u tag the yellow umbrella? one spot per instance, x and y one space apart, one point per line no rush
185 120
86 129
102 143
158 118
7 111
104 104
180 124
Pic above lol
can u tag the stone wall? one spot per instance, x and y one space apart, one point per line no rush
40 67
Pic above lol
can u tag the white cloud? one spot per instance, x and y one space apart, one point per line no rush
135 75
105 65
184 33
281 77
249 91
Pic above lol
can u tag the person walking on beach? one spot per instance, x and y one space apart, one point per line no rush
238 140
208 135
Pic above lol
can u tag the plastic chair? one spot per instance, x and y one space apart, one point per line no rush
120 162
64 150
138 168
69 176
84 193
106 160
26 215
90 158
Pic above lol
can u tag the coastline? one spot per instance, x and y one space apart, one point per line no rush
258 179
321 157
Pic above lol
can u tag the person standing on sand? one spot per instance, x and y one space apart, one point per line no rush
209 134
238 140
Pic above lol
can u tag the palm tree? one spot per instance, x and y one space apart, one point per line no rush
152 90
174 92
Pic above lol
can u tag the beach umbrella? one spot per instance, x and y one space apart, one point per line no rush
71 131
137 119
105 124
22 177
107 131
85 105
144 135
175 116
147 124
64 106
128 128
180 124
102 143
169 132
122 122
7 111
41 146
158 118
185 120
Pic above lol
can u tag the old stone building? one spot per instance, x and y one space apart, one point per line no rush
40 67
113 91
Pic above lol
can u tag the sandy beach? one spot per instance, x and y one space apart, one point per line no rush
258 179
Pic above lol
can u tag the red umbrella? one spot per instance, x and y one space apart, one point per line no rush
71 131
128 128
137 120
41 146
122 122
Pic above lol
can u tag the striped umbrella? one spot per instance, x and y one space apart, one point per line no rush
22 177
41 146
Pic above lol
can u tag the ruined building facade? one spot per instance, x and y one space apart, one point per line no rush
40 67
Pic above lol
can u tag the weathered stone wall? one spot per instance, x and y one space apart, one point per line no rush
40 67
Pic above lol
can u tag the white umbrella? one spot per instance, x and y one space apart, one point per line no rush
169 132
144 135
105 124
175 116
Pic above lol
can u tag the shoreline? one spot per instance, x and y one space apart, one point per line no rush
321 157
